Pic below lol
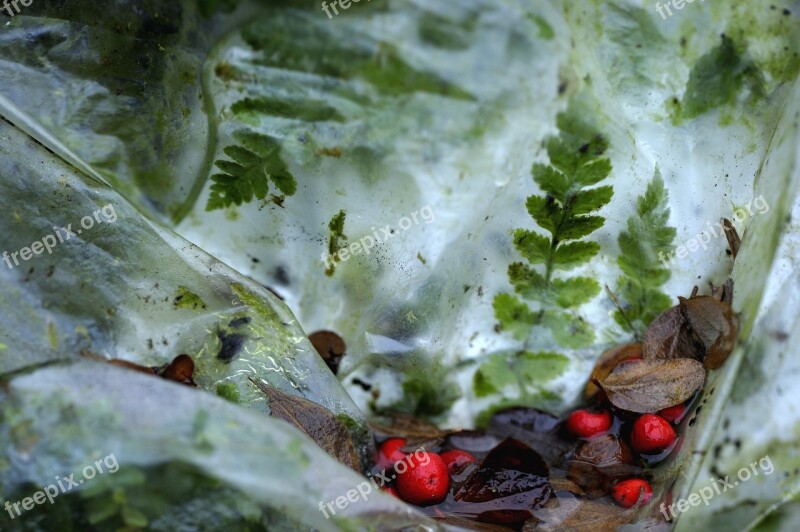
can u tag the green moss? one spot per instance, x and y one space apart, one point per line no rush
185 298
717 79
307 110
228 391
442 32
545 30
260 306
336 227
428 388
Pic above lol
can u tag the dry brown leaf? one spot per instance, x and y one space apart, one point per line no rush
316 421
607 362
734 242
714 324
599 462
652 385
578 515
408 427
669 336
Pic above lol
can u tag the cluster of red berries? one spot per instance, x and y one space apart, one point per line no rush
424 479
650 434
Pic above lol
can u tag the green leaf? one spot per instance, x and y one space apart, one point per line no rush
493 376
580 226
647 239
575 291
514 316
544 211
538 368
535 248
246 176
527 282
551 181
593 172
586 201
576 158
568 330
573 254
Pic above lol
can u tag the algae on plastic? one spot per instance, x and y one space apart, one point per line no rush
270 137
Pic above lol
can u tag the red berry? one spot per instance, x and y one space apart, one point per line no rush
674 413
390 453
627 492
456 458
425 481
651 434
585 424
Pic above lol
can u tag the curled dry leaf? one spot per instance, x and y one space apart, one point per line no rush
734 242
652 385
715 326
670 336
317 422
408 427
577 515
607 362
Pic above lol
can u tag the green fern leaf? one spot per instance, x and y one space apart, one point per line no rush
515 316
642 246
566 212
573 254
247 174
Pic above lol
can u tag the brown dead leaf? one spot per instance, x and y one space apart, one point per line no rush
317 422
574 514
534 427
408 427
512 480
652 385
460 523
669 336
607 362
599 462
714 324
734 242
